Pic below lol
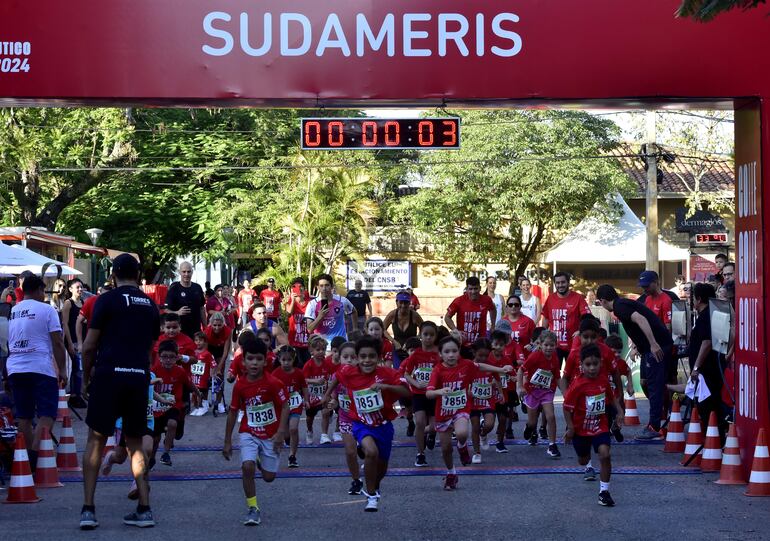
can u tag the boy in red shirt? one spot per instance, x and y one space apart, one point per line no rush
505 351
450 383
586 419
486 392
271 298
295 385
172 330
471 309
373 390
536 384
201 371
318 371
264 404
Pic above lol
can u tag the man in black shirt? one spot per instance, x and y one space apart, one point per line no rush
186 299
654 344
123 328
360 300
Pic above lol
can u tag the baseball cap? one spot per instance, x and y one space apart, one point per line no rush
647 277
403 296
504 325
271 280
125 265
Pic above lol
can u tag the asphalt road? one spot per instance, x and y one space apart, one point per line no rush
518 495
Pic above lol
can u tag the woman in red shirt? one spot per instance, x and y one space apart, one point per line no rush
522 326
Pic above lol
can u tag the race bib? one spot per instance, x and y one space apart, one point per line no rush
160 406
504 380
150 406
317 389
368 401
595 405
481 391
344 401
295 400
422 374
261 415
198 369
454 401
541 378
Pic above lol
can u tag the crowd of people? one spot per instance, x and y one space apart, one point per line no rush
143 369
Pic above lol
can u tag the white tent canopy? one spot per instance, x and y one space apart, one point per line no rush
15 259
595 241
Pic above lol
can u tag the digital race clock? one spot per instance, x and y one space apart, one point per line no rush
380 133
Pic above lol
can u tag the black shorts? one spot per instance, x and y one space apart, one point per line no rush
114 395
583 444
122 441
562 354
162 422
405 402
479 413
313 411
421 403
504 408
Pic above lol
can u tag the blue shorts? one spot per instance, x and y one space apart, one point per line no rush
382 435
583 444
34 395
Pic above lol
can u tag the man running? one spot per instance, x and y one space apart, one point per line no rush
186 298
118 348
471 310
271 298
561 313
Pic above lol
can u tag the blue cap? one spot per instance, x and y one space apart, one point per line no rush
403 296
647 277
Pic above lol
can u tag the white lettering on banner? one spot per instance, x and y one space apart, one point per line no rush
747 190
380 275
748 257
748 324
417 30
747 391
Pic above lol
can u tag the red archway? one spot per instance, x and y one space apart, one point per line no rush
421 52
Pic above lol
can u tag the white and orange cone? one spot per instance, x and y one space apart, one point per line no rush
731 472
694 440
46 474
64 409
759 481
675 442
631 417
67 457
711 458
22 489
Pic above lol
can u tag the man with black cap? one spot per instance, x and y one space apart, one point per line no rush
660 301
124 326
271 298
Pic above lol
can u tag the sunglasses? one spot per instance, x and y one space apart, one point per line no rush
514 304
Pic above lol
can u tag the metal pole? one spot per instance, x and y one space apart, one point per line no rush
652 195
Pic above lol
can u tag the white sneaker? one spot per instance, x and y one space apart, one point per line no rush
372 503
204 405
485 443
221 408
337 436
309 438
476 459
325 439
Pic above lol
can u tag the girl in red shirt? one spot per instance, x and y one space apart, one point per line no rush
296 387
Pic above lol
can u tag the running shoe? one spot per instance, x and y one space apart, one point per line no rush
252 518
648 434
476 459
293 462
221 407
430 441
528 432
553 451
420 461
356 487
325 439
543 433
589 474
140 520
605 499
309 438
465 456
500 447
450 481
484 442
372 502
88 520
165 459
107 463
337 437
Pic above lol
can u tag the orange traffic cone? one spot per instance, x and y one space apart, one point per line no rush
46 474
22 489
732 469
759 482
67 457
64 409
694 440
109 446
711 458
675 435
631 418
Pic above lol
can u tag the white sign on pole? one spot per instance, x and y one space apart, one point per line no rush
380 274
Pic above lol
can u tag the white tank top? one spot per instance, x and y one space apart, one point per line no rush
529 308
499 302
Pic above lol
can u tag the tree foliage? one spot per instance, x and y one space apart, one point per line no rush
706 10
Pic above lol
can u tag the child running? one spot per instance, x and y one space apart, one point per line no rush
373 389
264 404
334 358
536 383
450 382
317 371
294 383
505 352
201 372
485 390
586 419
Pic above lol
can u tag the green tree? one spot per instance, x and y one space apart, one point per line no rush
705 10
520 177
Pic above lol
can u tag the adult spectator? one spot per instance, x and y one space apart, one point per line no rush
415 302
703 359
591 297
187 300
403 322
728 272
660 301
562 312
245 301
118 347
86 313
15 294
471 309
530 302
296 304
220 302
653 342
69 316
271 298
58 294
34 337
522 326
497 299
261 321
720 260
360 300
325 314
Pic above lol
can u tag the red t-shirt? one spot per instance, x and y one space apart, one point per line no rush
484 393
507 381
294 382
587 400
661 305
372 408
200 370
175 380
298 325
272 302
19 292
563 315
471 316
540 372
87 310
419 365
245 300
387 351
515 353
218 340
457 378
311 370
183 343
522 329
573 369
237 368
261 402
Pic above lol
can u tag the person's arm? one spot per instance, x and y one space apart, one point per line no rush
520 382
564 384
538 309
619 415
79 324
227 449
492 312
400 389
507 369
417 319
68 340
644 325
89 354
57 343
570 433
369 307
329 390
280 336
449 323
703 353
289 302
387 322
354 319
283 427
435 393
